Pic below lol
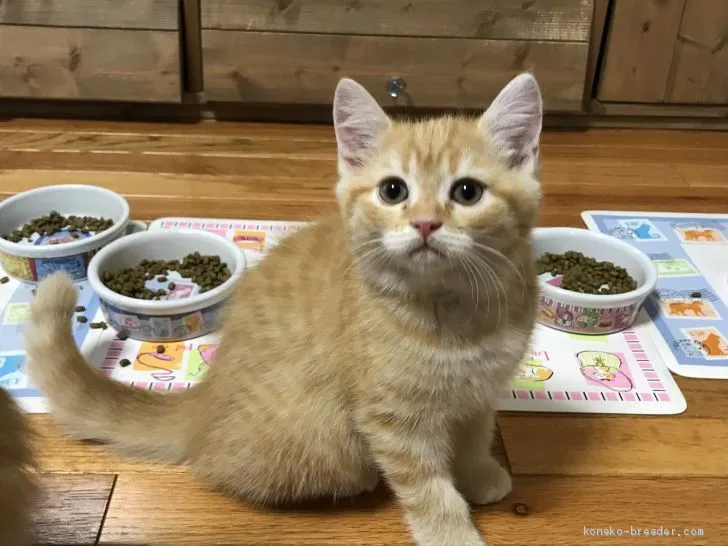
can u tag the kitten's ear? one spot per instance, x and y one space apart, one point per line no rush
358 120
513 120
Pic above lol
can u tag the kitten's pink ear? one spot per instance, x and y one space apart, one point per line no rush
358 120
513 120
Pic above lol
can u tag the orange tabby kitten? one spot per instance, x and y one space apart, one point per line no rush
17 484
374 340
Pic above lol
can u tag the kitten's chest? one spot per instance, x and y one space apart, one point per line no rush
449 377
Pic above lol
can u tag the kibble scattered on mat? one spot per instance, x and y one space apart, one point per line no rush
81 319
55 222
161 349
586 275
696 295
124 362
207 272
98 325
4 280
79 309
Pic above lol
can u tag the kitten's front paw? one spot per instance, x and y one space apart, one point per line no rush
489 484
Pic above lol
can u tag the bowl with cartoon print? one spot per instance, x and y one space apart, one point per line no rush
184 312
593 314
69 249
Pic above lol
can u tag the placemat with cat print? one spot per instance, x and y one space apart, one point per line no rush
564 373
689 308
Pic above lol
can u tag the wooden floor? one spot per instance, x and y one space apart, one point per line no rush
571 471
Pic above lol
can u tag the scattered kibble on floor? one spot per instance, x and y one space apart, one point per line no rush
123 336
81 319
98 325
696 295
4 280
80 309
586 275
124 362
161 349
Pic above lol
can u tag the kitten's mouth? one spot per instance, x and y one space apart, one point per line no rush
426 251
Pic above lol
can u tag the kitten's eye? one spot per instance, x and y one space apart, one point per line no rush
393 190
466 191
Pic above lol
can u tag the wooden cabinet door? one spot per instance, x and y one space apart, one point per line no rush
448 53
126 50
666 52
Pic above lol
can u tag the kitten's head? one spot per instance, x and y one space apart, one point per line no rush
422 198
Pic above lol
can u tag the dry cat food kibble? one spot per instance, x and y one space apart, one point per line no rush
207 272
4 280
124 362
55 222
586 275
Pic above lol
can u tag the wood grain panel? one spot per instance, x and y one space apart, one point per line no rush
492 19
558 509
71 509
639 50
56 451
100 64
138 14
701 175
298 197
230 133
700 65
614 446
246 66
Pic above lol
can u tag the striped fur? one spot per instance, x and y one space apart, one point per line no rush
342 357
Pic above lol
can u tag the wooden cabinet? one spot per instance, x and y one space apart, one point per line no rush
125 50
666 52
447 54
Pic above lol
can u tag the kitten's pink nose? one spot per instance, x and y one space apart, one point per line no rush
425 227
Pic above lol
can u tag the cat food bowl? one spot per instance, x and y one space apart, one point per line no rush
588 313
69 240
188 296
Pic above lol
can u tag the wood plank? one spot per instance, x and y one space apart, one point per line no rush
701 55
638 56
712 116
556 177
101 64
231 129
72 508
315 62
558 509
301 198
615 445
163 144
700 176
565 20
137 14
294 166
228 134
58 452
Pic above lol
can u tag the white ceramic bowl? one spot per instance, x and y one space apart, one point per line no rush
592 313
165 320
30 263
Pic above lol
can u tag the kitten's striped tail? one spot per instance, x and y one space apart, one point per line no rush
134 421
